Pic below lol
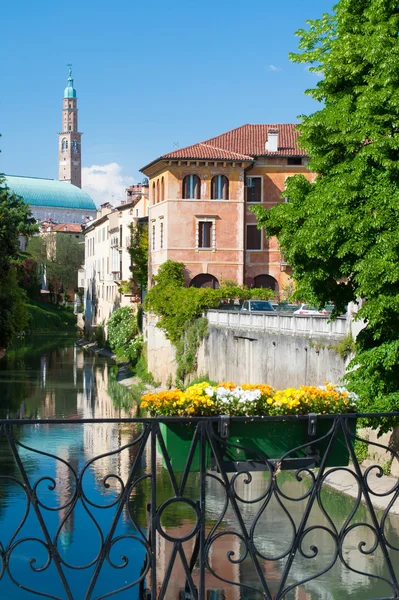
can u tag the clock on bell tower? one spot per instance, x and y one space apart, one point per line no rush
69 140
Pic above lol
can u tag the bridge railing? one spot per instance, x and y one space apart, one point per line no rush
186 508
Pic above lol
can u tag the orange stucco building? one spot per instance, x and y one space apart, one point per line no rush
200 199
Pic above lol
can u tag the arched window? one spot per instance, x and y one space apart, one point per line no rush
205 280
64 144
157 190
162 189
191 187
153 192
220 188
75 146
266 281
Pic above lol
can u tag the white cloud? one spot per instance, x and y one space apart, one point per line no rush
273 68
105 183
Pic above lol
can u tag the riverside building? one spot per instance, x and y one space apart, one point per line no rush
200 201
107 269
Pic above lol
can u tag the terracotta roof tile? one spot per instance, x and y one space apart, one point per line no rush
63 227
243 143
206 150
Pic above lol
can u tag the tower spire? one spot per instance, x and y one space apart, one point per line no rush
69 144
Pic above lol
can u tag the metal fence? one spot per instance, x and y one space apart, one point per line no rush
178 509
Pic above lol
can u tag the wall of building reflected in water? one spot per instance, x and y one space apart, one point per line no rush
50 377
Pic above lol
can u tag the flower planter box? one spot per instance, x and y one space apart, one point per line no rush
274 438
269 439
178 438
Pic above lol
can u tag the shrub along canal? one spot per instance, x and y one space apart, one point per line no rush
48 376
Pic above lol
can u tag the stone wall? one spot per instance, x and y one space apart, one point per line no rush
160 352
262 357
280 357
61 215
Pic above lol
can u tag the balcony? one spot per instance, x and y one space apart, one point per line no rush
122 513
116 276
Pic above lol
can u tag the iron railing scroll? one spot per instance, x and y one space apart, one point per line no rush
142 528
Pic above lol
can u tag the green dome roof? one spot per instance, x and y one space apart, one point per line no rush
49 192
69 92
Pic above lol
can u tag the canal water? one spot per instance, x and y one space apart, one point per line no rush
50 377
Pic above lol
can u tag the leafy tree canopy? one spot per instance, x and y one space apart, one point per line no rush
61 254
15 220
341 233
139 253
180 310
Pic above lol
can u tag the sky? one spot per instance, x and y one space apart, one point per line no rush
150 77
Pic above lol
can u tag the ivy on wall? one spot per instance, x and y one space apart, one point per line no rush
180 310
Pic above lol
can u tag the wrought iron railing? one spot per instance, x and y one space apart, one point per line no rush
185 511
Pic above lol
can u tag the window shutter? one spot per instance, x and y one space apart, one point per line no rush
185 187
225 188
197 187
213 188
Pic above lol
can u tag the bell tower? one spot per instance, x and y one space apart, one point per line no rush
69 140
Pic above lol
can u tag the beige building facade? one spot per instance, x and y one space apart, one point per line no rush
200 206
107 258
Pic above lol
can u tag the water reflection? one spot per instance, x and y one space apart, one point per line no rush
49 377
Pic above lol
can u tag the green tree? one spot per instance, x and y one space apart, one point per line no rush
123 334
15 220
139 254
66 261
61 255
341 233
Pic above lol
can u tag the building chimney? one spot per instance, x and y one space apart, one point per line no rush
272 140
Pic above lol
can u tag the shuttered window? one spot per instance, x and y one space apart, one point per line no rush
220 188
191 187
254 238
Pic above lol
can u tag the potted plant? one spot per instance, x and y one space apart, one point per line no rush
252 440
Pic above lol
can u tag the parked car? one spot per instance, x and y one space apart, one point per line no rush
287 307
257 306
227 306
307 309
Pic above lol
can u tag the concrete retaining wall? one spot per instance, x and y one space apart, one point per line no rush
262 357
160 352
247 348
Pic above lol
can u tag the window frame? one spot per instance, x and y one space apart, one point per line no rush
205 219
246 238
261 190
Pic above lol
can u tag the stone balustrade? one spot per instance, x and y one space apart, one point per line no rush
283 323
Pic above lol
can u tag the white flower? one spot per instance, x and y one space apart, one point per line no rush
221 391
